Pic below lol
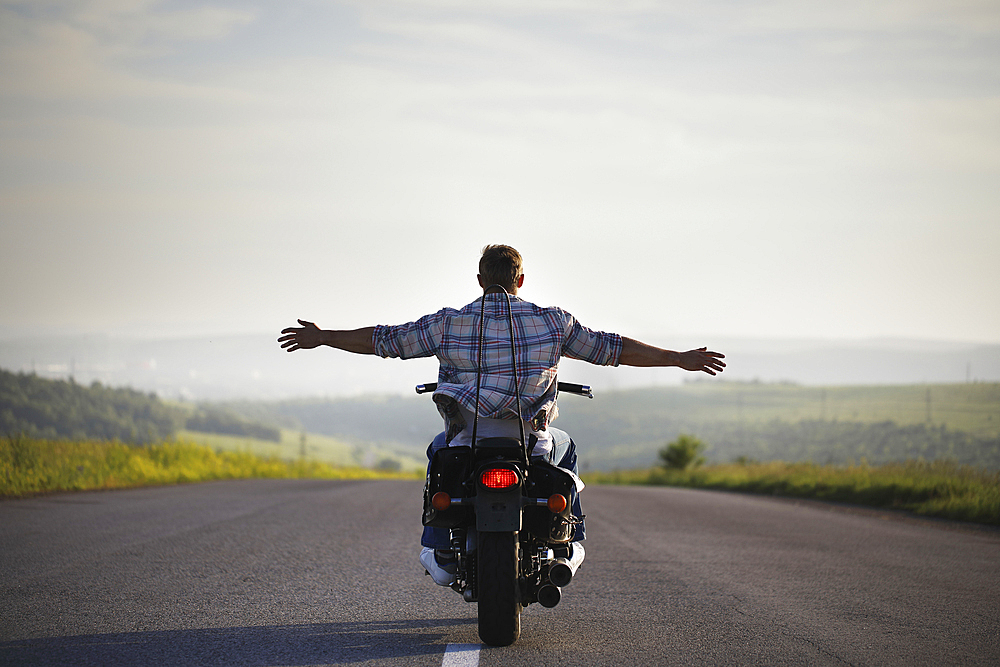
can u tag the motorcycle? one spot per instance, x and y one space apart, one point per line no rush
510 522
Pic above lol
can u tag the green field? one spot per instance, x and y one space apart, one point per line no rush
326 449
786 422
972 408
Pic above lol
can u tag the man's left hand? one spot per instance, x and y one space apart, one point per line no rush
702 360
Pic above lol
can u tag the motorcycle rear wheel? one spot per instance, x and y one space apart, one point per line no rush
499 597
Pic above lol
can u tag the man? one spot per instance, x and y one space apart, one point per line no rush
542 335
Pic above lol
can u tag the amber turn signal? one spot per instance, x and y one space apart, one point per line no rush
441 501
557 503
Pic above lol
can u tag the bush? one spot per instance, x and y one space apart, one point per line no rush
684 453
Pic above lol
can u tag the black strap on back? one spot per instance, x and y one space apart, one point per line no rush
513 358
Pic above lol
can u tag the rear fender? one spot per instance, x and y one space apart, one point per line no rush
498 510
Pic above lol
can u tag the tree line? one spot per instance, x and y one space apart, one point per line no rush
58 409
65 410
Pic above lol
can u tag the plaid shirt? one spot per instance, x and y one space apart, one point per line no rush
542 337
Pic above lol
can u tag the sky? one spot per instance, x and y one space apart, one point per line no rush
669 170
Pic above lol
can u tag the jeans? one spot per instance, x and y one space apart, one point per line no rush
563 454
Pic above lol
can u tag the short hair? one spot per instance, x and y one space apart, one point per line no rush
500 265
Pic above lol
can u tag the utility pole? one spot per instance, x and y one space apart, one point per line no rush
739 421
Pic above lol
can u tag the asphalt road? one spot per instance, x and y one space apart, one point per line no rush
290 573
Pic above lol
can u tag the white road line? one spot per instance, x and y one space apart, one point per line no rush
461 655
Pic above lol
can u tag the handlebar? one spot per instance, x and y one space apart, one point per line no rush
578 389
567 387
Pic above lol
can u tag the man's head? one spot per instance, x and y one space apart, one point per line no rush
501 265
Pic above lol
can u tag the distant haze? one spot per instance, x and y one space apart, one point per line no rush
700 172
254 367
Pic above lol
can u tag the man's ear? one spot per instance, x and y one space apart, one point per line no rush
479 277
520 281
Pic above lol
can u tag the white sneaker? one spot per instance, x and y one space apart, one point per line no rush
577 553
440 575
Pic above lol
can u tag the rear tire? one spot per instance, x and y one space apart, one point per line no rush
499 597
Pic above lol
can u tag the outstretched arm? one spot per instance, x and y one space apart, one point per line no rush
635 353
309 336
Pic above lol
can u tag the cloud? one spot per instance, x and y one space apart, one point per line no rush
135 22
722 17
140 137
87 50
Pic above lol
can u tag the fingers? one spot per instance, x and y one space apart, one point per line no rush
289 340
710 362
295 330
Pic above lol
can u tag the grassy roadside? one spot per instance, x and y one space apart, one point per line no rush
936 489
29 466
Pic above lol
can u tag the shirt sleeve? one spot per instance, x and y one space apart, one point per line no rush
411 340
595 347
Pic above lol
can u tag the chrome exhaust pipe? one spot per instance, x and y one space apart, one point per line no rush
549 596
562 569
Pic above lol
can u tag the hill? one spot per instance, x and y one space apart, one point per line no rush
619 429
64 410
752 420
792 423
52 409
57 409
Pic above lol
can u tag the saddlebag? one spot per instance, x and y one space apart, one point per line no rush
449 470
546 480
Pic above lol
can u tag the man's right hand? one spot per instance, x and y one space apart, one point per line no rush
310 336
305 337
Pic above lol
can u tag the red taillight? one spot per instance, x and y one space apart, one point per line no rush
498 478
